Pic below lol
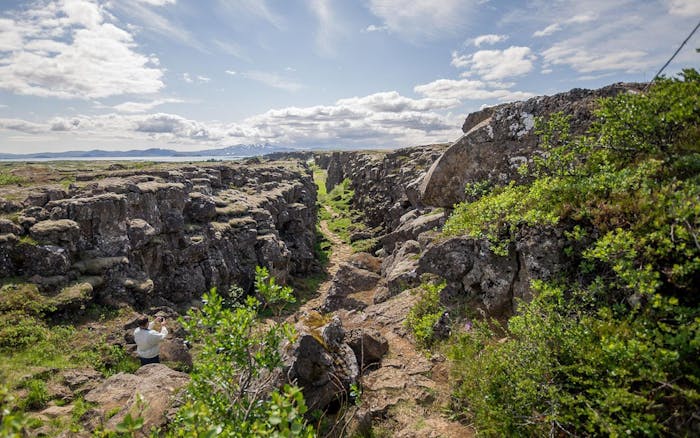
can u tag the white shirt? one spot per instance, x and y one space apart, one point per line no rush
148 341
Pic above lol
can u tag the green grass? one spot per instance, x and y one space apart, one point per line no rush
342 219
7 179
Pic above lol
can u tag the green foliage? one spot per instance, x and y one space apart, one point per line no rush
565 370
13 421
37 395
612 349
18 330
7 179
23 297
231 392
336 208
273 296
110 359
365 245
425 313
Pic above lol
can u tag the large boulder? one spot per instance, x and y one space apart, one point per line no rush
349 279
472 270
63 232
498 140
155 384
322 364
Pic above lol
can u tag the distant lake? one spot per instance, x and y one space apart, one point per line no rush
153 159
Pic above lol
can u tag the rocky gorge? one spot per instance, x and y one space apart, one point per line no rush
154 240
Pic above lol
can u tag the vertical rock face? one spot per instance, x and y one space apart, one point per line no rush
385 184
162 237
499 139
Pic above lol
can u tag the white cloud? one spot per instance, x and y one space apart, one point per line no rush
257 9
203 78
375 28
684 8
417 20
272 80
393 102
231 72
22 126
67 50
142 107
582 18
232 48
187 78
586 61
465 89
549 30
489 39
385 119
158 2
329 28
496 64
156 23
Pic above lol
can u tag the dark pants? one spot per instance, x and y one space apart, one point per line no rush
145 361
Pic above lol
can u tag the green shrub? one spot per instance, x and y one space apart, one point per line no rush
231 392
108 359
19 330
612 348
13 421
37 395
24 297
425 314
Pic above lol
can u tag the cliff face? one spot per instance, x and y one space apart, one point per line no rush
499 139
385 184
162 237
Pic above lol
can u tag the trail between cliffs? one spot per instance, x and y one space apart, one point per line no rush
408 391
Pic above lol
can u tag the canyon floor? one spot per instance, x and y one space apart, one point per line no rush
407 395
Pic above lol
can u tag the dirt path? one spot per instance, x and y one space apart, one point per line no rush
340 252
409 391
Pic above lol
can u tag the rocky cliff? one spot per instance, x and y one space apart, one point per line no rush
404 191
159 236
385 183
497 140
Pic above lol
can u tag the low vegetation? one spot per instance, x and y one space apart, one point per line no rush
233 392
7 179
425 314
612 347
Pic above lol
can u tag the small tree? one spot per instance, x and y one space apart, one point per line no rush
232 392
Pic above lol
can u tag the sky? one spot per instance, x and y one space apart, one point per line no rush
201 74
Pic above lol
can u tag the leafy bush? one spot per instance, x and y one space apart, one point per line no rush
272 296
13 421
18 330
613 349
425 314
37 395
232 388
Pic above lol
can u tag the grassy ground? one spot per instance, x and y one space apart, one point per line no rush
335 207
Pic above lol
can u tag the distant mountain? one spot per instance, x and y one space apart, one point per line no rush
240 150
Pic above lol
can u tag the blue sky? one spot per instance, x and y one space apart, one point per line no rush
198 74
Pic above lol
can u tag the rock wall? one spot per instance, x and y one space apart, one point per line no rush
394 190
162 237
385 183
499 139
